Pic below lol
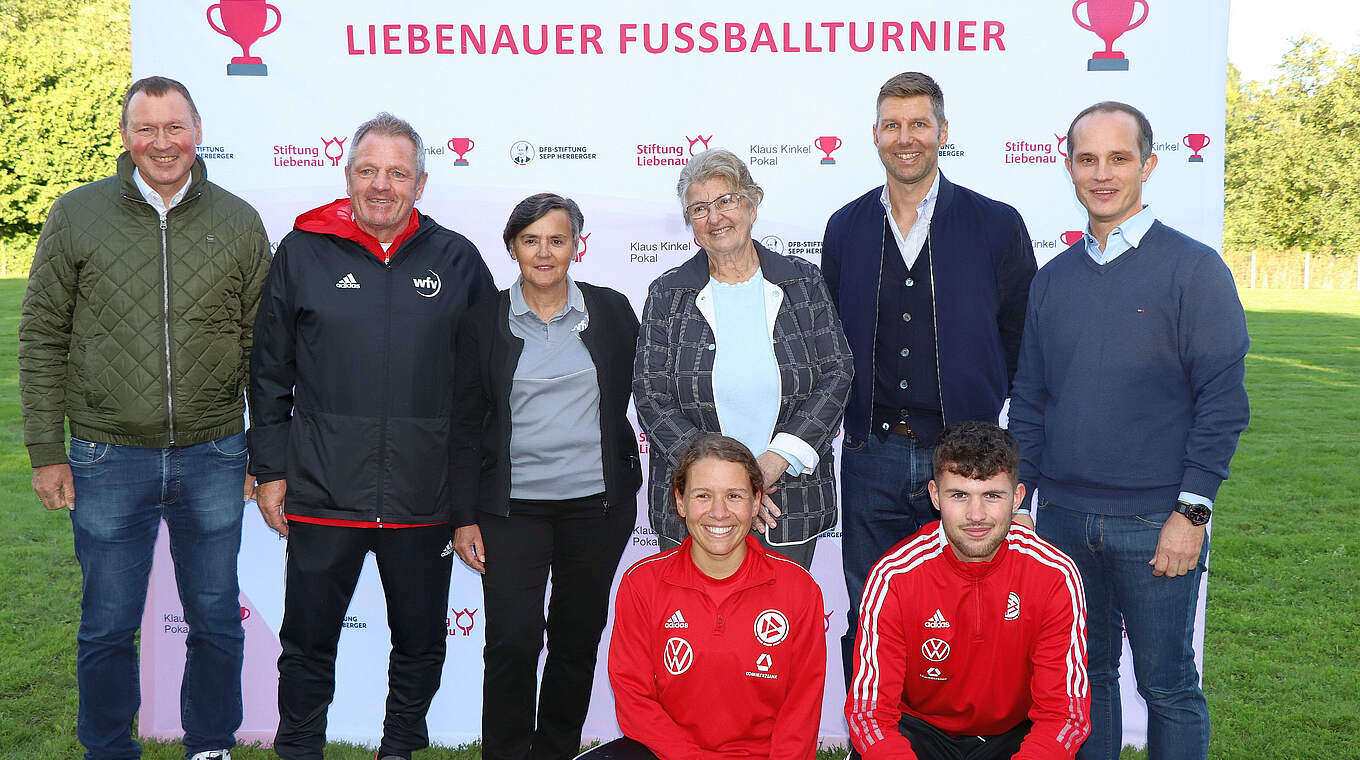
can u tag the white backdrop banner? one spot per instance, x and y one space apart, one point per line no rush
604 101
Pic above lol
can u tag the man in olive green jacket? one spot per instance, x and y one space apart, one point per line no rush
137 329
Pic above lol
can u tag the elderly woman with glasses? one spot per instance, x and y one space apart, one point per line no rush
546 474
742 341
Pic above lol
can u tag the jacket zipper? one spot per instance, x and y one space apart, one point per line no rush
935 324
165 310
165 328
387 383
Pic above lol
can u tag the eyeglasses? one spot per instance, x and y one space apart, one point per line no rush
722 203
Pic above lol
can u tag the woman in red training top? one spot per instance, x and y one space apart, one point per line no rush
718 647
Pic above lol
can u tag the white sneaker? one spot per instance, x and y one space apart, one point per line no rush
215 754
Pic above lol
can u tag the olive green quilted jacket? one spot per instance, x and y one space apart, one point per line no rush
139 332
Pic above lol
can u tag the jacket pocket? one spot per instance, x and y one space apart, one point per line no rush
334 462
416 483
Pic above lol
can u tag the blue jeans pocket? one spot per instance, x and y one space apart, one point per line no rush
1153 519
85 453
232 446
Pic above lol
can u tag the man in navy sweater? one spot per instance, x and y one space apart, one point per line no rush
1128 404
930 279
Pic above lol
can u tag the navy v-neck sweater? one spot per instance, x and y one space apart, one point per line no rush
1130 385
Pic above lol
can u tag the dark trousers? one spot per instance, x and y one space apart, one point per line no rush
580 544
930 743
322 570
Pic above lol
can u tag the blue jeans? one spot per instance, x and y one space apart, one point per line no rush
883 500
122 493
1122 594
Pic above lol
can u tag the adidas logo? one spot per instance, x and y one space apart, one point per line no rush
676 620
937 620
348 281
447 549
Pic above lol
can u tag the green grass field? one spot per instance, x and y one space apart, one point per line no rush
1283 629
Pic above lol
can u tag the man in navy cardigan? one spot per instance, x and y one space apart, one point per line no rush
1128 404
930 279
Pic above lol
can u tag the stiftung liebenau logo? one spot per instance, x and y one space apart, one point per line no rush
677 153
1033 150
327 151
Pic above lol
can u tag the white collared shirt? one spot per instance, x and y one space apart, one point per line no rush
155 199
910 244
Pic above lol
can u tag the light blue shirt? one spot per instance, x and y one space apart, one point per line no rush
1122 239
746 386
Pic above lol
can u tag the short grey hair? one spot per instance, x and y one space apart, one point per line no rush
1114 106
535 207
387 124
718 164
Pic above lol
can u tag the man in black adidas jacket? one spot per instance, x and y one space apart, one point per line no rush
350 394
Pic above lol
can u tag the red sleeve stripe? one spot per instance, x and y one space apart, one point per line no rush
904 559
1024 541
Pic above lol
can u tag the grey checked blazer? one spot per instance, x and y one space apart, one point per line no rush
673 387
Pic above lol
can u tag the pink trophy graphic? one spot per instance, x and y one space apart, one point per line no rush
461 146
827 144
1109 19
244 22
1195 142
1071 237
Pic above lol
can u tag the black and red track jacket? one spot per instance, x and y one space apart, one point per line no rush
351 383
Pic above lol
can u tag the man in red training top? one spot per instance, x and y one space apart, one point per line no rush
972 633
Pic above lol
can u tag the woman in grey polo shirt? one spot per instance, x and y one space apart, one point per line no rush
545 472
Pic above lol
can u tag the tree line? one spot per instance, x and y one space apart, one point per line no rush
1291 179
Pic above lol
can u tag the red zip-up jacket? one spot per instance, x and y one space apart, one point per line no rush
972 648
731 668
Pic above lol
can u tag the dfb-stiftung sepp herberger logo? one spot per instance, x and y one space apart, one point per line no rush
245 22
327 151
1109 20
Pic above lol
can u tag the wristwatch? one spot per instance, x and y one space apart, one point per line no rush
1197 514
